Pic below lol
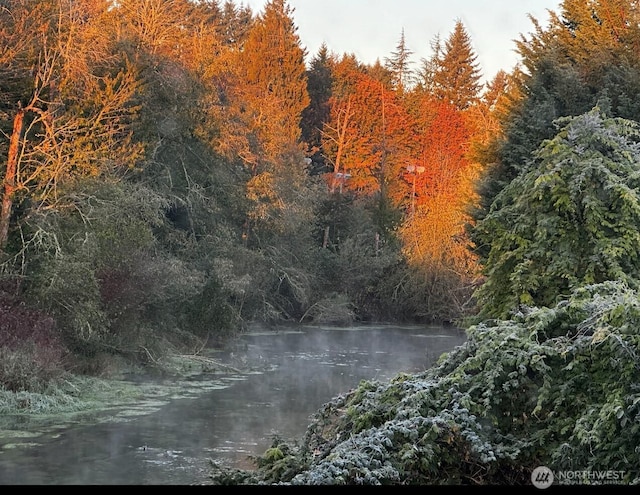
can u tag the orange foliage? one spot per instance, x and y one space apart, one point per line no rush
444 145
414 151
434 229
367 134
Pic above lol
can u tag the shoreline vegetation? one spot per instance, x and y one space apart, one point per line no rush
554 387
127 391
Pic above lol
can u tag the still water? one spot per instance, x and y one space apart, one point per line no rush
174 442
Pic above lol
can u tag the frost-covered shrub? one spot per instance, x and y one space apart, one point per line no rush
554 386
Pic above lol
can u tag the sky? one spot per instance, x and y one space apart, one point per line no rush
371 29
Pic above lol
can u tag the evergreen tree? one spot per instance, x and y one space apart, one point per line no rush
274 69
320 81
428 67
586 54
399 64
456 78
570 220
235 25
380 73
590 34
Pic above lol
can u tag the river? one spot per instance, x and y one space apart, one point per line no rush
233 417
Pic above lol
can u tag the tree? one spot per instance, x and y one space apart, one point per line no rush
570 220
399 64
456 77
155 25
487 118
274 71
367 134
586 54
320 81
236 22
73 111
437 191
593 34
428 68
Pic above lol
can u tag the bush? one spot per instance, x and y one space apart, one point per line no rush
31 352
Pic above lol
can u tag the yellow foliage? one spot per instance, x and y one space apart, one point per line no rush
434 236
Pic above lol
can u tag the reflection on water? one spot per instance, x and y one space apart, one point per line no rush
172 445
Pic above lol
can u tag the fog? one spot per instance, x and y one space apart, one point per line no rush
304 367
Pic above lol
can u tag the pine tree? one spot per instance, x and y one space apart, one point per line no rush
314 117
457 75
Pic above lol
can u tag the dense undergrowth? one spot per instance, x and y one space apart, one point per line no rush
555 387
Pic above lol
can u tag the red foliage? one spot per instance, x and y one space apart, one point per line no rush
445 140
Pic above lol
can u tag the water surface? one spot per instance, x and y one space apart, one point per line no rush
233 417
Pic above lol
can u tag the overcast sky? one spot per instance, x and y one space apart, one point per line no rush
371 29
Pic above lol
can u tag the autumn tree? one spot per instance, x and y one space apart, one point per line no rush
486 119
445 111
80 234
73 112
434 181
364 135
487 115
593 34
410 150
437 192
153 24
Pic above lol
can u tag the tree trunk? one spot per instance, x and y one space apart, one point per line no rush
9 182
325 241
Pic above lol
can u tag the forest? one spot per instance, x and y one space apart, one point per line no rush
172 171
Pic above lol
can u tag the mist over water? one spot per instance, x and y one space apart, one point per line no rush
305 367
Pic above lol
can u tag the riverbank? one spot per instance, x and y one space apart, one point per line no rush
169 433
126 393
553 389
